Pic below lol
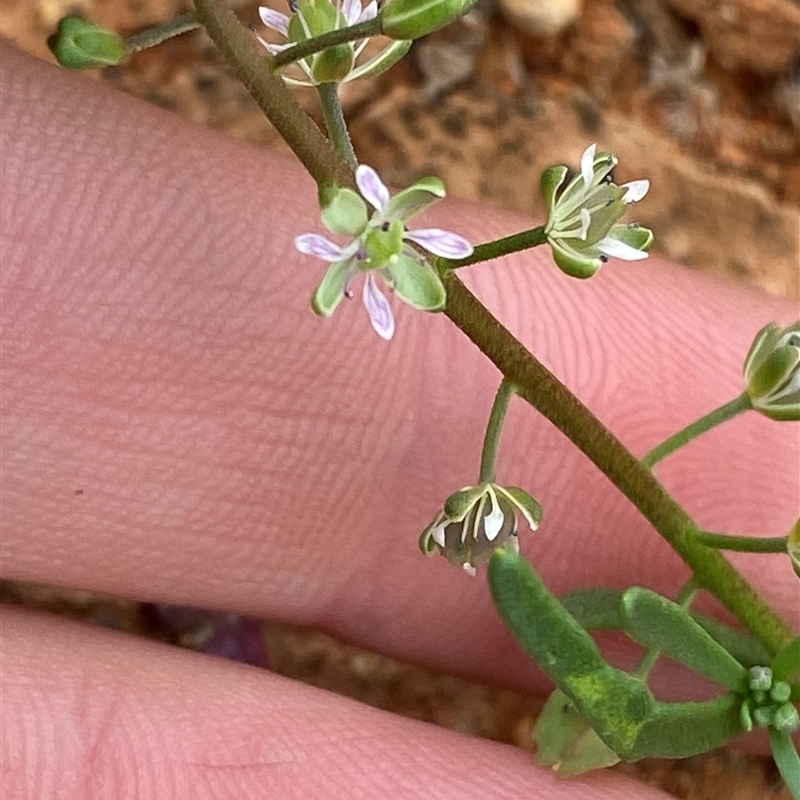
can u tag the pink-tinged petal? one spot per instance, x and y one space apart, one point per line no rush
312 244
372 188
351 11
441 243
273 49
587 164
274 20
378 308
617 249
370 12
636 190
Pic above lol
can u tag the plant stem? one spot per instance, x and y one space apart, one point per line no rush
362 30
269 91
498 248
155 36
550 397
491 440
742 544
335 123
692 431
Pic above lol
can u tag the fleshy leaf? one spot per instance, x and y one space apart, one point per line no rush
417 284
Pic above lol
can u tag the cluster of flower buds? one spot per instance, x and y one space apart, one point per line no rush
772 372
476 521
582 227
769 703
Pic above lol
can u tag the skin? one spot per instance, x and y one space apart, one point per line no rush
236 452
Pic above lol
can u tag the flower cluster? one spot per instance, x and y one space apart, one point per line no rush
312 18
772 372
769 703
476 521
582 227
381 245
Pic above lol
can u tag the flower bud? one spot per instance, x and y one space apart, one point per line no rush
478 520
411 19
772 372
80 44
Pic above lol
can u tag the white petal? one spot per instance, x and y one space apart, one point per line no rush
586 220
494 520
636 190
437 534
351 11
587 164
274 20
441 243
312 244
370 11
617 249
372 188
378 308
469 569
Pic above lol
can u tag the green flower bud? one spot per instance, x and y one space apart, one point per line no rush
411 19
786 718
760 679
80 44
772 372
793 546
763 716
476 521
780 692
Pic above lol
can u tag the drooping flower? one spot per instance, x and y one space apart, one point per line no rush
312 18
381 245
582 227
476 521
772 372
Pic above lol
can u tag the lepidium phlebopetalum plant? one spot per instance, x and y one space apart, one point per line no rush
600 712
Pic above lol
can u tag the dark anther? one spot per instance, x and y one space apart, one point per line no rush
604 259
385 227
293 5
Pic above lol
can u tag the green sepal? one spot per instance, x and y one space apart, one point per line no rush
459 503
526 503
566 742
634 235
331 291
572 262
333 64
681 730
412 19
415 198
786 665
787 760
549 184
383 61
662 625
417 284
80 44
345 212
319 15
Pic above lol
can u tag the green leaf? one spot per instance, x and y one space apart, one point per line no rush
662 625
615 703
596 609
747 650
786 666
787 760
417 284
566 742
680 730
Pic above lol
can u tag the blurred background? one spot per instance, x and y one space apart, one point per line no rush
700 96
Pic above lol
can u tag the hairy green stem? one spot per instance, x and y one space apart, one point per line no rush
155 36
497 249
692 431
742 544
536 384
491 441
269 91
335 123
362 30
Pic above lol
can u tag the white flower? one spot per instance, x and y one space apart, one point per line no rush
582 219
381 245
313 18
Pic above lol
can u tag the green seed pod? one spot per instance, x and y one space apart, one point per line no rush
80 44
411 19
